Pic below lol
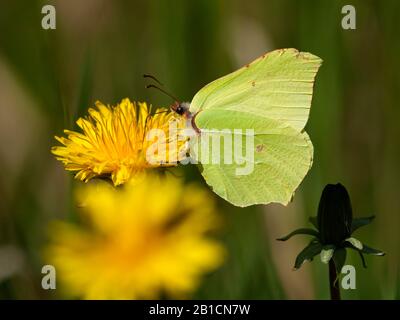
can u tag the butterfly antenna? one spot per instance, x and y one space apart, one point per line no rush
153 77
162 90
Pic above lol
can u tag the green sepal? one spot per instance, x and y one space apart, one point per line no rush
369 250
327 253
366 250
306 231
360 222
355 243
308 253
362 258
349 245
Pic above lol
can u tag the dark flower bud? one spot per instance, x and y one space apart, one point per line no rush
334 215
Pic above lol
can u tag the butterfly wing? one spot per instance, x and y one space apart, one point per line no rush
269 169
277 85
272 96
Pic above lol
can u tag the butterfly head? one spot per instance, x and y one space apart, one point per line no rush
181 108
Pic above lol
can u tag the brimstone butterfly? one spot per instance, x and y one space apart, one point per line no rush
272 96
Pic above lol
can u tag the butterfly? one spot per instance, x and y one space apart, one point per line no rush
271 98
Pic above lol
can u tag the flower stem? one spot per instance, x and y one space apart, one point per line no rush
334 285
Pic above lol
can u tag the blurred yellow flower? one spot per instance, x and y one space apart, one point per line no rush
146 239
120 141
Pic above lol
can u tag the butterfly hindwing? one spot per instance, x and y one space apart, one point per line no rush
267 169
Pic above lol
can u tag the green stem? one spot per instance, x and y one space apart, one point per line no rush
333 284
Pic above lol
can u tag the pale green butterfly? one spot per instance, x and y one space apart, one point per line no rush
272 96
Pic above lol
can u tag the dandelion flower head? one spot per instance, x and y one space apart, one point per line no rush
137 242
115 142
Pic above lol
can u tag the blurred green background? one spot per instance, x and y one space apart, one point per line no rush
100 50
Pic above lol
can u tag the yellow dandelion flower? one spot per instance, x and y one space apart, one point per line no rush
148 238
120 141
